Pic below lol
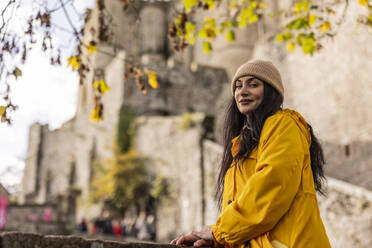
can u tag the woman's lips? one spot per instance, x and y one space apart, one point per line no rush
245 101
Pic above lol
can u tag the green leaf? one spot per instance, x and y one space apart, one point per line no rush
298 23
230 36
207 47
287 35
299 38
308 45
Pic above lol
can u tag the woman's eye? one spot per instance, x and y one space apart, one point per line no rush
253 85
238 86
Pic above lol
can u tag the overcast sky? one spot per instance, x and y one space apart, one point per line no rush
44 93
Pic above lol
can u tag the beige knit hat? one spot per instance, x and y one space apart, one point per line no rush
263 70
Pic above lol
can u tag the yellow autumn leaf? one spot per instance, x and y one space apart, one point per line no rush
363 3
202 34
211 32
253 19
153 82
101 86
325 27
207 47
190 32
189 4
233 5
279 38
91 49
312 19
262 5
210 3
96 114
2 110
230 36
17 72
74 63
209 20
291 46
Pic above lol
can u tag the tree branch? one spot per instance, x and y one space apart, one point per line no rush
69 19
59 7
3 13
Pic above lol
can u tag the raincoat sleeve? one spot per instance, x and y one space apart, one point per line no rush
269 192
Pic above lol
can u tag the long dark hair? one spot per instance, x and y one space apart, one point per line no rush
250 136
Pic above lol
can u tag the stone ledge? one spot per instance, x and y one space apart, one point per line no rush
31 240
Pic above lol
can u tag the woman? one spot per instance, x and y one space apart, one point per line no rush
271 168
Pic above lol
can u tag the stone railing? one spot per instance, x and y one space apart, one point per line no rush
21 240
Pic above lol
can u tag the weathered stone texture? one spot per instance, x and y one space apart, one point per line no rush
212 155
174 154
351 163
30 218
30 240
180 90
153 29
347 214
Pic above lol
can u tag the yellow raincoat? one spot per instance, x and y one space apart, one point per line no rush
269 201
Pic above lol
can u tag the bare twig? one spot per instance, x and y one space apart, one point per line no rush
59 7
7 25
3 13
69 19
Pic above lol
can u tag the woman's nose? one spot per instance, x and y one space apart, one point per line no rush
244 90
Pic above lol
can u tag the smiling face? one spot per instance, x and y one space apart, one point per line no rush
248 94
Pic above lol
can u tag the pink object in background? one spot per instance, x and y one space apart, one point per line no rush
3 210
48 214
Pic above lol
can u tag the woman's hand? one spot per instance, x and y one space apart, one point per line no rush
185 240
200 238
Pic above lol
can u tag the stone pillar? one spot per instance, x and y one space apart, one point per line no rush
152 29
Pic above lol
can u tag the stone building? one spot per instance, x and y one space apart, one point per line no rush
331 89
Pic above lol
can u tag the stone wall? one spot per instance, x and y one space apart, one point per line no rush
347 214
174 154
45 219
29 240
